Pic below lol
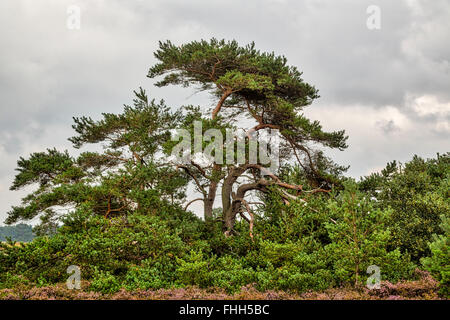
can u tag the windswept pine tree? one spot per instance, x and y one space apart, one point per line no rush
260 87
126 177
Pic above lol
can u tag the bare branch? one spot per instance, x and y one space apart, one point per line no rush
191 202
197 182
225 95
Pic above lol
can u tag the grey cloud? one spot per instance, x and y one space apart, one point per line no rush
388 126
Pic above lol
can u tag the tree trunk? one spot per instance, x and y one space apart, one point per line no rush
211 196
228 213
208 207
229 216
229 219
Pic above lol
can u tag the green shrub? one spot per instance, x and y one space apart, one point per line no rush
360 238
104 282
231 274
439 262
194 270
152 274
108 245
418 193
9 280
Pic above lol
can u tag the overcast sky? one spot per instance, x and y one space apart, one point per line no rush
388 87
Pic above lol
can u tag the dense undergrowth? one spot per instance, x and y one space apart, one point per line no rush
296 248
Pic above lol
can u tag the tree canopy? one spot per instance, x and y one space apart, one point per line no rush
248 84
126 176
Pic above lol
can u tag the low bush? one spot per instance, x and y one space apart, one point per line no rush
439 262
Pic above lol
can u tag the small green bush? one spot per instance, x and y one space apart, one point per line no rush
439 262
152 274
360 238
104 282
194 270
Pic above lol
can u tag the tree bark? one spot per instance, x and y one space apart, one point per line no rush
211 196
209 201
225 95
227 187
229 216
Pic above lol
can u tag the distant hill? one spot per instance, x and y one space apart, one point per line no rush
21 232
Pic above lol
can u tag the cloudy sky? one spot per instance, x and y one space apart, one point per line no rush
388 87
